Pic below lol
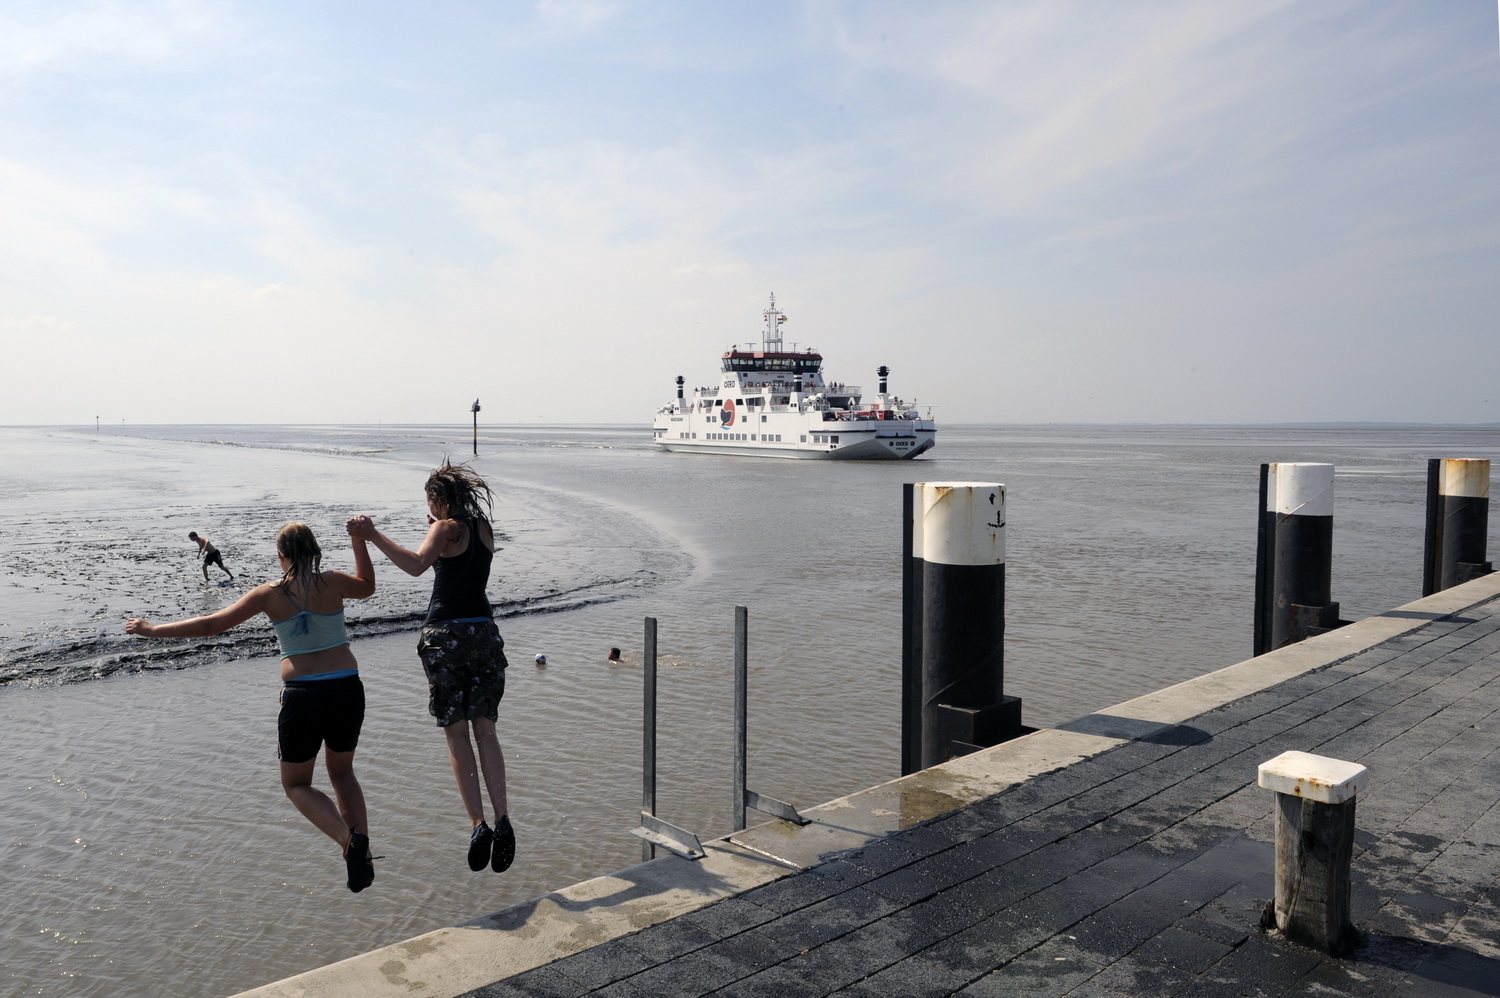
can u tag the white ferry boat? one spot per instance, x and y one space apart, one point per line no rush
773 402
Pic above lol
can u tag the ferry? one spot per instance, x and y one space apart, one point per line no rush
774 402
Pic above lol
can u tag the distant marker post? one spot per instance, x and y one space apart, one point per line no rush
475 410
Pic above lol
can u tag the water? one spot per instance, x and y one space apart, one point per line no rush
146 847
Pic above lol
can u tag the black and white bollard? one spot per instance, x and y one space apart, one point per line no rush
1458 522
1314 847
1294 555
955 631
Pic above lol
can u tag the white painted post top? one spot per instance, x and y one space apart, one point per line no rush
1465 477
1300 489
959 523
1313 777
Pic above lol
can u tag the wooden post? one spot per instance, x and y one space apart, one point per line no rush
1314 847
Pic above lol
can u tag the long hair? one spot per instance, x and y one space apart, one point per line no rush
295 542
462 490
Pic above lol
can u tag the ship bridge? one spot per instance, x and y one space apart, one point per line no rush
758 362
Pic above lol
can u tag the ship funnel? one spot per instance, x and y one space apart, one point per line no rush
680 380
884 372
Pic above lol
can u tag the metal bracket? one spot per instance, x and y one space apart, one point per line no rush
668 836
770 805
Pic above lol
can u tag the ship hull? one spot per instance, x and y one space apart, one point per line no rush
866 440
872 452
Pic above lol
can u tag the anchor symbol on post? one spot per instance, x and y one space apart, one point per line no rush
999 524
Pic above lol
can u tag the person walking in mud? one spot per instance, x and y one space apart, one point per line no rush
209 554
460 647
322 696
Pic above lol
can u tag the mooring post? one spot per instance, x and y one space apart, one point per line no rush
648 733
911 633
964 706
1458 522
475 410
1294 555
1314 847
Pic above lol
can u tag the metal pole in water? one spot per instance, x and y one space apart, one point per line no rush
963 706
1458 520
475 410
648 734
1294 555
741 698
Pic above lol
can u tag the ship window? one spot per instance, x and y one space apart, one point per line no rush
834 439
804 438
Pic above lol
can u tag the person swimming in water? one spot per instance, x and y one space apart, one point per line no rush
322 698
210 555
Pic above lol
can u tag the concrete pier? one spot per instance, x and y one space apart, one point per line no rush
1128 852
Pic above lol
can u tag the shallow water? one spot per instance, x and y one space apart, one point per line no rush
145 845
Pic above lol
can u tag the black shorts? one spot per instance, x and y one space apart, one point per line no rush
212 558
465 666
314 711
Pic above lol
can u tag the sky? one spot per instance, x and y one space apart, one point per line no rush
1162 211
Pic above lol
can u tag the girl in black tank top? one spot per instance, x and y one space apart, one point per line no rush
460 648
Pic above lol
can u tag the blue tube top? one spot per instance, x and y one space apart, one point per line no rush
307 632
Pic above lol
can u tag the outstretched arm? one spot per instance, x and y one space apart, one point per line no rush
208 625
361 584
411 562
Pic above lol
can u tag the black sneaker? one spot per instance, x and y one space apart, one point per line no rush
480 841
505 845
357 862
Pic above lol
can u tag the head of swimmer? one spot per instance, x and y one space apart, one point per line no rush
455 490
297 550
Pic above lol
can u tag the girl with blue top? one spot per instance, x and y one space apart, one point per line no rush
461 648
322 698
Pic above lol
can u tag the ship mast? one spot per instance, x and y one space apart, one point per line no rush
771 335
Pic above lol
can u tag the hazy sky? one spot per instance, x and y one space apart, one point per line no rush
1044 211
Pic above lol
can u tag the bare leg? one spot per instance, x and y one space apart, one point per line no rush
465 772
296 780
347 791
492 759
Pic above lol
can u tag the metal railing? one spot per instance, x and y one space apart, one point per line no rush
654 831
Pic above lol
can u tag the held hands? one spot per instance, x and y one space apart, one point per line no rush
361 527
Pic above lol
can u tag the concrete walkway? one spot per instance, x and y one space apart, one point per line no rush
1127 853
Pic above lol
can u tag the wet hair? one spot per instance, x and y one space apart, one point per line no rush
192 535
462 490
295 542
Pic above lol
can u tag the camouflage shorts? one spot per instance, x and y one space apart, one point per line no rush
465 665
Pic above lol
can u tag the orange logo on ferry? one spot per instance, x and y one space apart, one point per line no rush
726 417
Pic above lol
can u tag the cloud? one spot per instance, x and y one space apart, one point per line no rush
89 37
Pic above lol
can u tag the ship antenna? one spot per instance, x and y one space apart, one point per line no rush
771 335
